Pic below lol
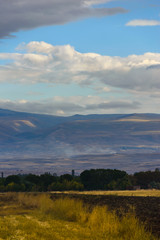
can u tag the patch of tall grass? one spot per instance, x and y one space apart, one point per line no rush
69 219
64 209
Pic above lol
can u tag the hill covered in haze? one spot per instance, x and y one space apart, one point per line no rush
36 142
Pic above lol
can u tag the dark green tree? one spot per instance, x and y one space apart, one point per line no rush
13 179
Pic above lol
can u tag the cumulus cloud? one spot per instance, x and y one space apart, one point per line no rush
21 14
71 105
46 63
143 22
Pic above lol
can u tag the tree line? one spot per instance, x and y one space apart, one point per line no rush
93 179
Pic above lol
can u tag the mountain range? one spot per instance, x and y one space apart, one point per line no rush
45 143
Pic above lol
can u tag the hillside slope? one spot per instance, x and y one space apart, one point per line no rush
27 140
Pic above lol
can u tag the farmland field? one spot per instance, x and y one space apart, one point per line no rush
146 204
141 193
36 216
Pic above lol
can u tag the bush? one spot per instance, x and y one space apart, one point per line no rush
14 187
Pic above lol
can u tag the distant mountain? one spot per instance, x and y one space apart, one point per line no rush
37 142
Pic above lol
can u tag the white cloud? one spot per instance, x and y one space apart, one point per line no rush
101 89
71 105
94 2
143 22
64 65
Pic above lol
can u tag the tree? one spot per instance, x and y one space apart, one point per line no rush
14 187
67 177
46 179
13 179
95 179
32 178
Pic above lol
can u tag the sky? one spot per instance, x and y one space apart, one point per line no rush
66 57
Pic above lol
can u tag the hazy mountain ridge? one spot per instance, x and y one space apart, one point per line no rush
70 142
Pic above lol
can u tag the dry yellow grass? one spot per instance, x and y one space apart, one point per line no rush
143 193
64 219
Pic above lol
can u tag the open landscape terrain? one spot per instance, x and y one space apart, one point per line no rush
146 204
38 143
137 193
79 120
39 216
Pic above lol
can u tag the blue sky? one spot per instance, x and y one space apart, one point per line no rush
80 56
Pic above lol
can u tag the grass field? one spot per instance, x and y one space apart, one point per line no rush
37 217
136 193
